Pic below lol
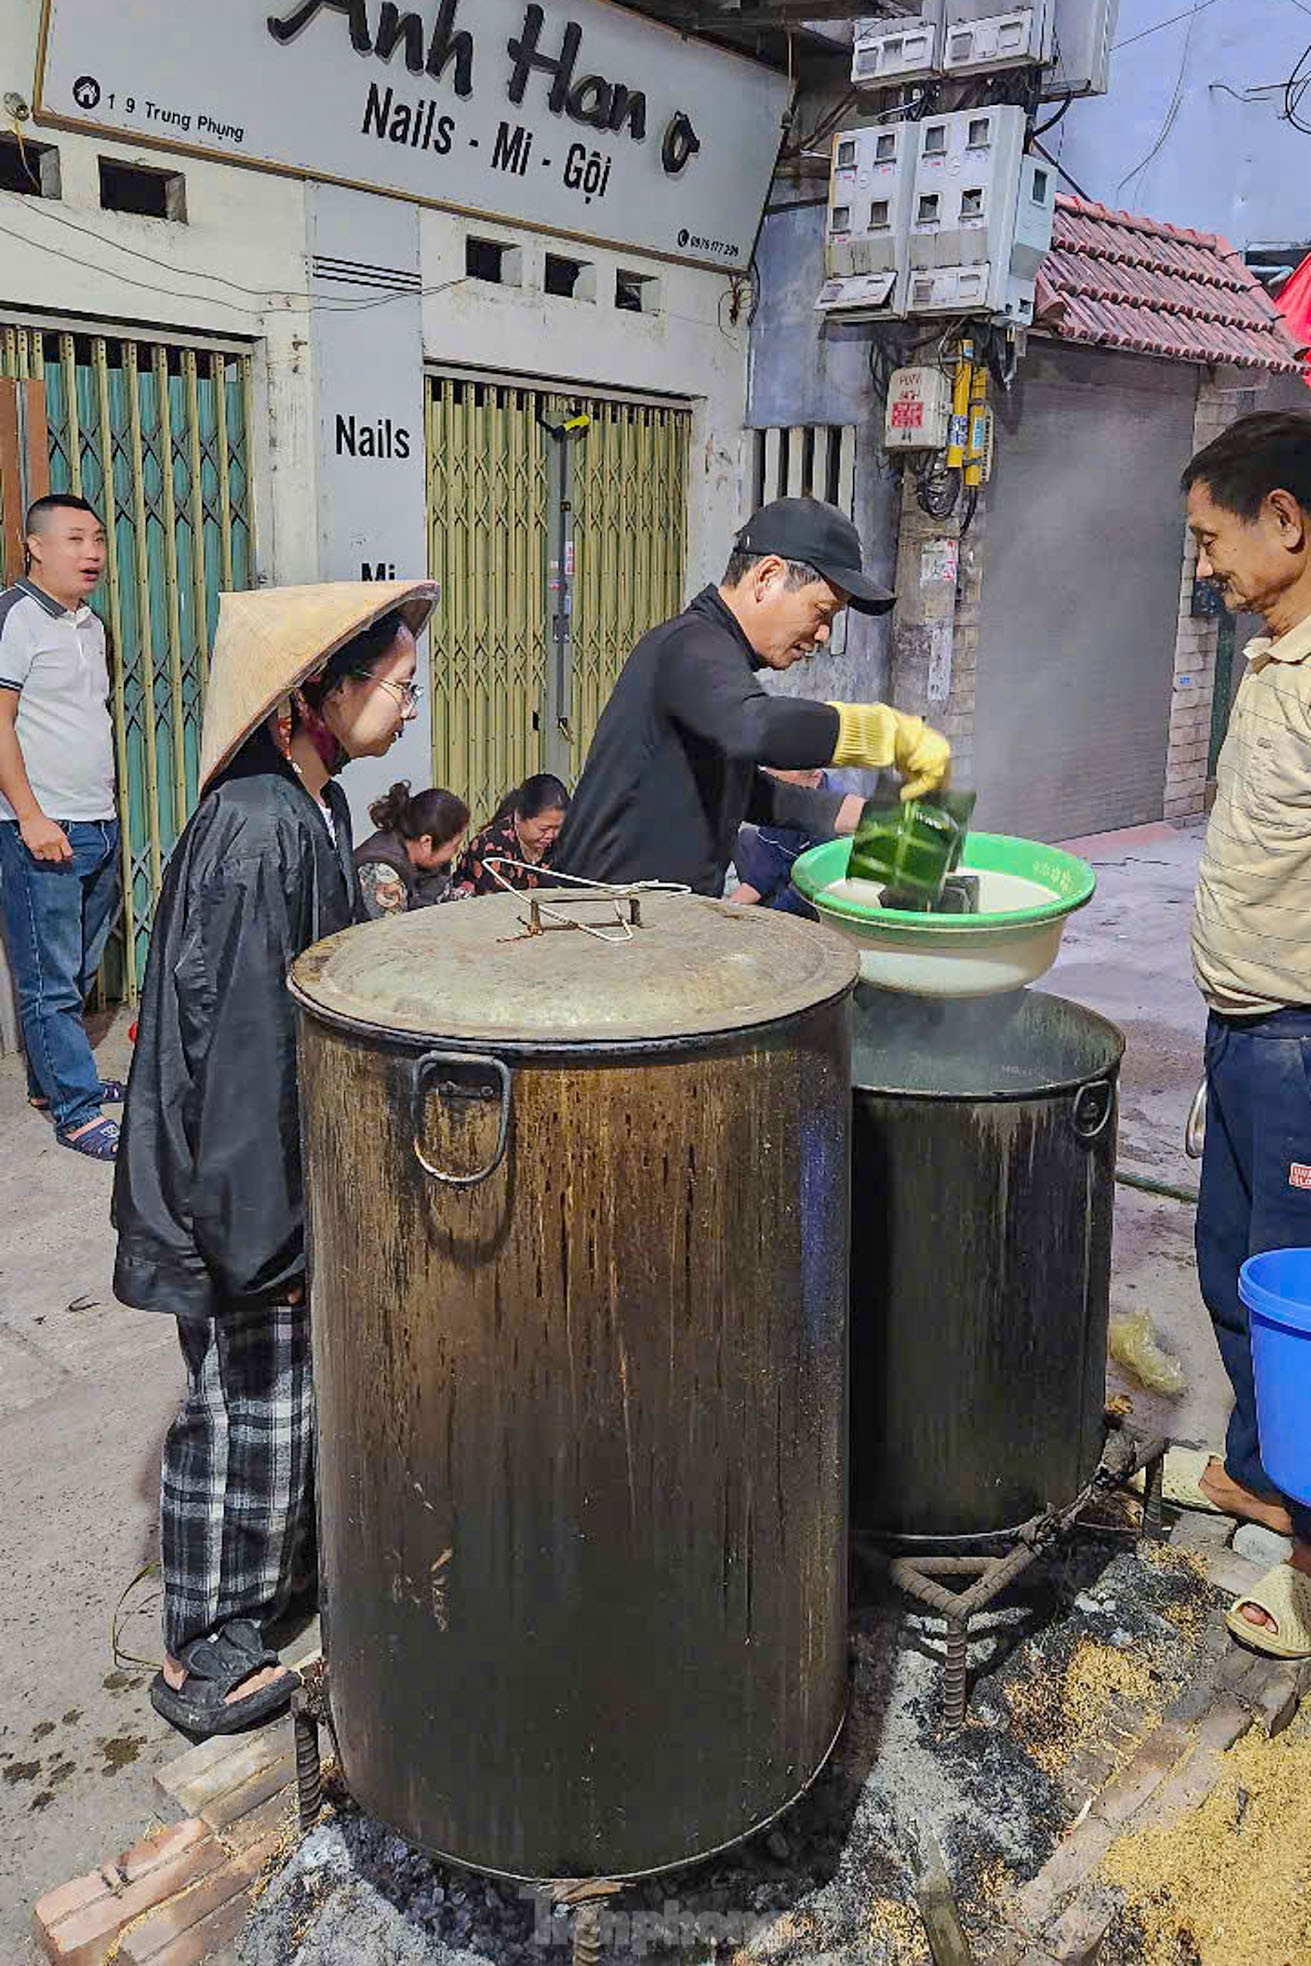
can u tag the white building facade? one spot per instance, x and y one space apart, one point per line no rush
267 367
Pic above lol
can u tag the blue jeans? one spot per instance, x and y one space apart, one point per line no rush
763 857
1258 1128
57 917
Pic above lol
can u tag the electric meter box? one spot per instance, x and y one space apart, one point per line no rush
905 50
966 173
871 184
862 297
980 38
983 218
1070 40
1081 57
918 415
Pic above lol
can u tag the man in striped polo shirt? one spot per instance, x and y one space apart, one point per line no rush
1249 509
58 829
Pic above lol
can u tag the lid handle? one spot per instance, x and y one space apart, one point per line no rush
425 1070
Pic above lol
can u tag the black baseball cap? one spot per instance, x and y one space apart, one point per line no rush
809 529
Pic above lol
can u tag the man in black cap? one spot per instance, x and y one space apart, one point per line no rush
674 768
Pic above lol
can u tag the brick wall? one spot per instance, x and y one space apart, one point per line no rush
1222 395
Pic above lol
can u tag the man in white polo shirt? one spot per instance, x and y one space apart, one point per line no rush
58 829
1249 508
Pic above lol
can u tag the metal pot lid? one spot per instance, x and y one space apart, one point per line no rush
471 970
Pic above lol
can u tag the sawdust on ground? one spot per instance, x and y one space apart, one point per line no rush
1061 1715
1190 1611
900 1930
1229 1883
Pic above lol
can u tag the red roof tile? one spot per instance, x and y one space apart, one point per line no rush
1117 280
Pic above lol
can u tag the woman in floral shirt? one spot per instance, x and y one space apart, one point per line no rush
407 862
524 828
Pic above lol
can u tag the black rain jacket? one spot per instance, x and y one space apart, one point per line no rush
207 1188
673 769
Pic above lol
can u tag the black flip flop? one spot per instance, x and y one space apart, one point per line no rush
215 1666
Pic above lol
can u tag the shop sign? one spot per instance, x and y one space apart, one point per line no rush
581 118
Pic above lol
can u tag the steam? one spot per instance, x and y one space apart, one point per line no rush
1004 1047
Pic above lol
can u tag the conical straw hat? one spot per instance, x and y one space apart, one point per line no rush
272 639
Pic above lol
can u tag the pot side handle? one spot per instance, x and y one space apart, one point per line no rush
425 1071
1093 1105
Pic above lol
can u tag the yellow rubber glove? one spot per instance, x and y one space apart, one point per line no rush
874 735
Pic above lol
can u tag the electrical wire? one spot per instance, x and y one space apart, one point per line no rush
1175 102
300 302
823 130
1187 14
34 177
1041 129
1295 92
308 306
42 210
901 112
938 488
1059 167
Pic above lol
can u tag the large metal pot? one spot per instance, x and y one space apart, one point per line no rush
579 1234
983 1167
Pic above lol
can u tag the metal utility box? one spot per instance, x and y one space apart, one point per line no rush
905 50
966 174
918 416
982 38
860 297
870 193
1081 53
981 218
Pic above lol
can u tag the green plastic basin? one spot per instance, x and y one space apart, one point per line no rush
1012 941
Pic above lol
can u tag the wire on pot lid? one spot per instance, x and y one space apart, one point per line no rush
614 891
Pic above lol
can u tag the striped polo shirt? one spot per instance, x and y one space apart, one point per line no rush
54 657
1252 920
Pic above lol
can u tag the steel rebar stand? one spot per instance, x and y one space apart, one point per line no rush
927 1578
309 1709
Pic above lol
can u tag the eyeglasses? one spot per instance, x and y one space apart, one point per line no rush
406 694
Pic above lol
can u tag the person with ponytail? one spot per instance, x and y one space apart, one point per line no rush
522 830
407 863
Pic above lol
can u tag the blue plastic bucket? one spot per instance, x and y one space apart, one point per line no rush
1276 1289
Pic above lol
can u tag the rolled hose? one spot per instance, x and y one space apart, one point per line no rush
1147 1186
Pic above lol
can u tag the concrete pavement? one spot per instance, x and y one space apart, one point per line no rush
1127 955
87 1390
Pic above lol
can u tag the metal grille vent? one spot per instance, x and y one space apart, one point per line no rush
359 273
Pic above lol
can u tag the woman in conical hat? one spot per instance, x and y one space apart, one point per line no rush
207 1193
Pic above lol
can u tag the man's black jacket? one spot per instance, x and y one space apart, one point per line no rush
673 768
207 1190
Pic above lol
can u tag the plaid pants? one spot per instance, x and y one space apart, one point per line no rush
236 1494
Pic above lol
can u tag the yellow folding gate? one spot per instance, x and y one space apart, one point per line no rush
497 711
155 434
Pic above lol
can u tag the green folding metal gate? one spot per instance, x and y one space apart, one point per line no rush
155 434
490 528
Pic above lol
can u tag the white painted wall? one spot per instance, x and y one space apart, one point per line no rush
689 349
239 268
236 268
1192 128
